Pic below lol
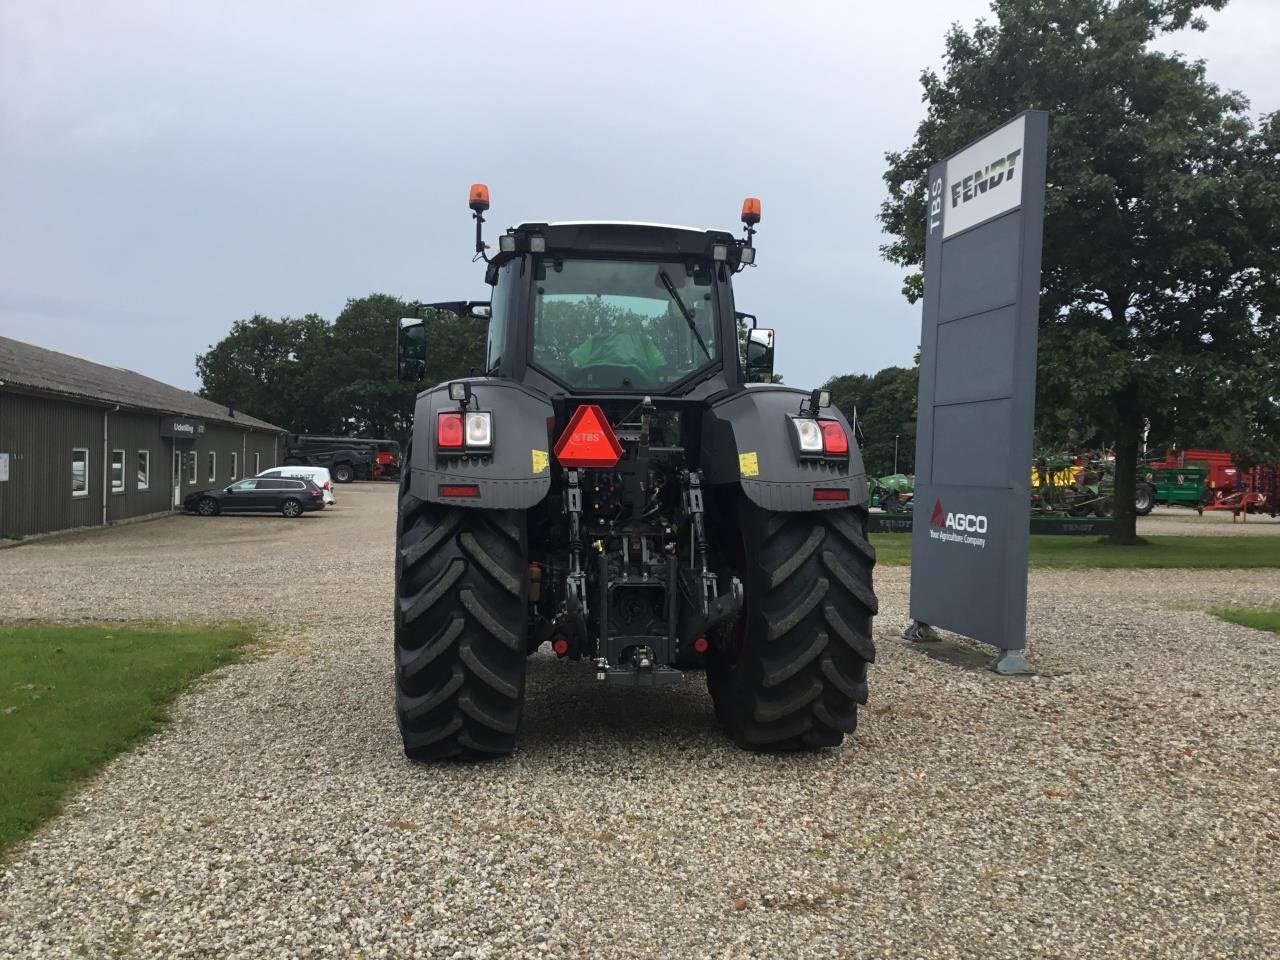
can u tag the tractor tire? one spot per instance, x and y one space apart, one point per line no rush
343 473
794 673
461 610
1144 500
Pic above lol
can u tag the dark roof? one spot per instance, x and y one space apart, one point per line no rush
35 368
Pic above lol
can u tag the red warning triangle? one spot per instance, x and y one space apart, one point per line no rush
588 440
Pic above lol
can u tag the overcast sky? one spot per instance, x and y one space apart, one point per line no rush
166 169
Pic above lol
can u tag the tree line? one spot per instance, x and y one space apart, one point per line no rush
308 375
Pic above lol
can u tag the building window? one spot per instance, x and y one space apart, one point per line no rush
117 471
235 465
79 471
144 469
191 467
213 466
257 464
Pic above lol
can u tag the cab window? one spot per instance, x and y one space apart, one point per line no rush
500 313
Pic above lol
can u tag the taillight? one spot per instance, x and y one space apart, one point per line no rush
449 431
316 493
459 432
479 429
834 439
808 434
820 438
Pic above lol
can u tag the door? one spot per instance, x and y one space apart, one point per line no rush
177 477
245 495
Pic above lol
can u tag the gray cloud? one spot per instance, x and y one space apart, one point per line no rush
167 169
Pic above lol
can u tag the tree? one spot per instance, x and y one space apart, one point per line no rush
886 404
370 399
260 368
1161 215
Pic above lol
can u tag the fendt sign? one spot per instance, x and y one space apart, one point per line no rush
977 387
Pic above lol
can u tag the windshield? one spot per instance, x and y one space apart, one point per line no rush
618 325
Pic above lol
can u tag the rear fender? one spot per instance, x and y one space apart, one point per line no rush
515 476
746 440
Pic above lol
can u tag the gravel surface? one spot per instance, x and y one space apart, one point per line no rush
1183 522
1126 803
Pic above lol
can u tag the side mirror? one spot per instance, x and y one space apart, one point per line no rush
759 362
411 349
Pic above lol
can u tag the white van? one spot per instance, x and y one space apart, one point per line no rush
317 475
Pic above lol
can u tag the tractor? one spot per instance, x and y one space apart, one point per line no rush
620 480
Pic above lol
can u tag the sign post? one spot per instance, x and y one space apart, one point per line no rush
971 534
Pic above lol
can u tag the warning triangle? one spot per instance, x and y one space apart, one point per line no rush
588 440
937 518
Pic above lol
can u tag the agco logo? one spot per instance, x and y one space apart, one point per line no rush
960 522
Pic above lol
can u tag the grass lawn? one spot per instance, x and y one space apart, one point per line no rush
72 697
1257 618
1182 553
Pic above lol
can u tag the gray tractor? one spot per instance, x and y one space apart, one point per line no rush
622 481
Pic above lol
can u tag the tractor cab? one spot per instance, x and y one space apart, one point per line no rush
611 308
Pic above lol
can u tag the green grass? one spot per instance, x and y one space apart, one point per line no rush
1181 553
1256 618
73 697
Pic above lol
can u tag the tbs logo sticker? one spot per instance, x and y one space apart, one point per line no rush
957 527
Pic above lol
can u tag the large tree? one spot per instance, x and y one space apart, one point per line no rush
268 368
886 404
1158 295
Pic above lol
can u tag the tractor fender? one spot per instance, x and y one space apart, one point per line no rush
747 440
514 475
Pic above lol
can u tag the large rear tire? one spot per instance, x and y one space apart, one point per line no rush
461 610
343 473
796 671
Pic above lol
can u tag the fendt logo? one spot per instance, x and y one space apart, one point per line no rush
988 178
956 527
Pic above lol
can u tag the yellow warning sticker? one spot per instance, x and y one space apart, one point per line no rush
749 464
539 460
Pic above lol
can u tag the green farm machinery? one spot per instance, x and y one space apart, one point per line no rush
1063 488
1174 486
892 494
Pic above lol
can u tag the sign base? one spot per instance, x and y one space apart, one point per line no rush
1012 663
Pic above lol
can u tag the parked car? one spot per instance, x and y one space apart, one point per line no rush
286 495
317 475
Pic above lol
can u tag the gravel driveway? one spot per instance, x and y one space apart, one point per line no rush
1125 804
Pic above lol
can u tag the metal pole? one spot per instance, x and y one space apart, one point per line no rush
895 453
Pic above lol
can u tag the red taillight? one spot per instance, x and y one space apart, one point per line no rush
834 439
588 440
700 645
316 493
560 645
326 484
449 431
460 490
830 494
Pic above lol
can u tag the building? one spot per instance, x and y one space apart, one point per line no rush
84 444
